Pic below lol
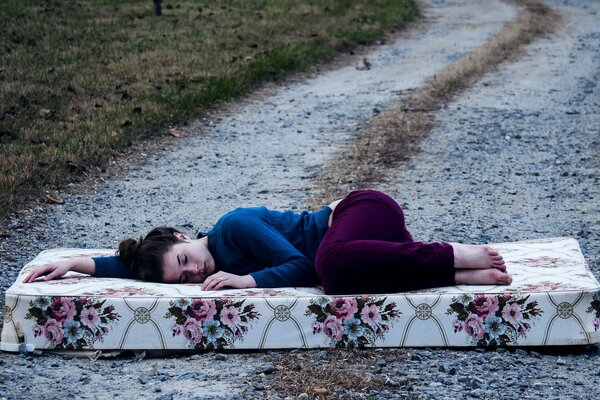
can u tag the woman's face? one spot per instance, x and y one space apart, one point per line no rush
188 261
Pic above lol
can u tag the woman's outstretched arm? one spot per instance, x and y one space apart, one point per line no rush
101 267
55 270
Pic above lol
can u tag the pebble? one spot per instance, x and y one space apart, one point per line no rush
521 352
167 396
266 369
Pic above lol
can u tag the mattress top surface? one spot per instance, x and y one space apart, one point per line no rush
542 265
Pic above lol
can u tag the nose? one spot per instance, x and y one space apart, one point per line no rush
192 269
193 273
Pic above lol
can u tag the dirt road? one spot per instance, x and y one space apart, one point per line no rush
514 157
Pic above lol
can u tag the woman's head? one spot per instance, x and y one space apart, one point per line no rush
144 257
167 255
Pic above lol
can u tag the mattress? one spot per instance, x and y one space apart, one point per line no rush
553 300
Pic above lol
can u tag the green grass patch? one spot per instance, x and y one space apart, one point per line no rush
82 80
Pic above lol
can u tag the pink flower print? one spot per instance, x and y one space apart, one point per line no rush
38 330
192 330
333 328
512 313
458 326
485 306
176 330
523 328
317 327
343 307
474 326
89 317
62 309
370 315
53 331
230 317
202 310
381 330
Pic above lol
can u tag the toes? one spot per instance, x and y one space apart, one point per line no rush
506 279
490 251
502 278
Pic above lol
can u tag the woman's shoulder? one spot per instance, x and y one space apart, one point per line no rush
242 215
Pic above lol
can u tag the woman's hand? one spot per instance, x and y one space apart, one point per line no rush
57 269
222 279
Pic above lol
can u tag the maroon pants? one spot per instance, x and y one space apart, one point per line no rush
368 250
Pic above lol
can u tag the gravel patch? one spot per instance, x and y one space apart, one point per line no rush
515 157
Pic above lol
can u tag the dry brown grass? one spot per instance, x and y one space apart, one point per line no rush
338 374
393 136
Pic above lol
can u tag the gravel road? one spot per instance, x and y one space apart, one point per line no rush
515 157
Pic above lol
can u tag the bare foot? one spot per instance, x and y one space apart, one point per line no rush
471 256
489 276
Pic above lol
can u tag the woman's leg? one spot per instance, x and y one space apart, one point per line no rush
368 249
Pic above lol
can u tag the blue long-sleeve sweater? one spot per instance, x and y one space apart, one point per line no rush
277 248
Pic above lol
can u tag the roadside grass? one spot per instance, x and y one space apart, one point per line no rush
334 374
395 135
80 82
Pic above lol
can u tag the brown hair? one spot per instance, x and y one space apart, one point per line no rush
144 257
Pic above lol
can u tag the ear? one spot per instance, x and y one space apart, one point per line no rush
181 236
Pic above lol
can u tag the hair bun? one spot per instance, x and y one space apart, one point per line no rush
127 252
144 257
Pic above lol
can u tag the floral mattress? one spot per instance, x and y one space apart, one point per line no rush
554 300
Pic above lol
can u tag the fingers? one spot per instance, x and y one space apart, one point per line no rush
36 274
216 281
28 279
51 271
53 275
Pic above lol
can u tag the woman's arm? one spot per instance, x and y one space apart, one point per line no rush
282 264
57 269
101 267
